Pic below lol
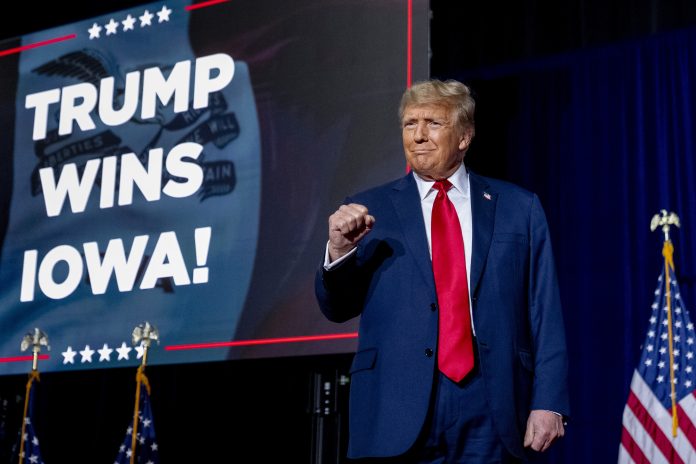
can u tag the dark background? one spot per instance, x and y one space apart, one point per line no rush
266 406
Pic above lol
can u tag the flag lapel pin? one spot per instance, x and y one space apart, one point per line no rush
486 195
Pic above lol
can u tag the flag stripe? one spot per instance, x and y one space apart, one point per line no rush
661 416
630 452
661 440
686 426
642 438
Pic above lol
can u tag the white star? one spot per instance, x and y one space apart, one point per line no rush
86 354
677 338
663 336
677 310
663 350
664 322
676 367
651 334
123 351
660 378
649 348
150 462
33 458
677 324
687 384
129 453
27 421
666 308
35 441
648 362
689 354
661 364
690 341
128 23
657 292
690 326
129 430
69 356
653 320
675 352
105 353
140 349
688 369
111 27
654 306
146 423
153 446
94 31
163 14
146 19
122 448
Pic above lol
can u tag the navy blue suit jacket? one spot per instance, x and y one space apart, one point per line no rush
389 283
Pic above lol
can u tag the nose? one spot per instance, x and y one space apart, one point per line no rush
421 133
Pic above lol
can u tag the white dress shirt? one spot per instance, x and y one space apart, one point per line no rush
461 199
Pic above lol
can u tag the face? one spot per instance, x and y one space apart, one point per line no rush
433 143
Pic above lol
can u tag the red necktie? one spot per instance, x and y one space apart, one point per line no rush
455 354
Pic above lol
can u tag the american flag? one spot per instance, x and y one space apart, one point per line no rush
146 449
30 454
647 419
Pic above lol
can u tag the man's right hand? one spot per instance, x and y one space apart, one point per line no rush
347 227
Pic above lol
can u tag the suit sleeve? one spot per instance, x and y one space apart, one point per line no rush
341 291
546 320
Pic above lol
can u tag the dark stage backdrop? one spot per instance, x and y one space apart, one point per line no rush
176 163
606 136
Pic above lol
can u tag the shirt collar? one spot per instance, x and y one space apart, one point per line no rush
459 181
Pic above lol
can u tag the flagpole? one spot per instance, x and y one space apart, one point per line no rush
34 340
143 334
666 220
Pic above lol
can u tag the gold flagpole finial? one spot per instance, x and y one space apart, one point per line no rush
664 220
35 340
144 334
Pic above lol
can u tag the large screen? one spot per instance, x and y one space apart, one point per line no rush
176 163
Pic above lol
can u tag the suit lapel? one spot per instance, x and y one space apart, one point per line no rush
406 201
483 204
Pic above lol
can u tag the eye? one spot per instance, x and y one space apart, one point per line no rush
435 124
409 124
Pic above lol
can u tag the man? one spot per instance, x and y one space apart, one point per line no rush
461 355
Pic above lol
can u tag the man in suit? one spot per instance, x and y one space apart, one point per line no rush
461 355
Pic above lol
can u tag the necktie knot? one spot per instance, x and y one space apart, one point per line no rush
442 186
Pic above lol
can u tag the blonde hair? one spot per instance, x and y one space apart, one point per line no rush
452 94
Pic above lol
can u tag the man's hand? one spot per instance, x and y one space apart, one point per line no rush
346 227
543 428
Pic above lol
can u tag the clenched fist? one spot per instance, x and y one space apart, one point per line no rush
347 227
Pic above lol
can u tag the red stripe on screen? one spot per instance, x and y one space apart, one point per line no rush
204 4
11 51
262 341
27 357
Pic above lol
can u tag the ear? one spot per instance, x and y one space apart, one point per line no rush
465 139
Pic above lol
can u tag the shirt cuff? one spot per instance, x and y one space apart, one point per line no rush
328 264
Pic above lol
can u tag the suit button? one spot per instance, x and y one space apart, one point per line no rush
433 307
429 352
